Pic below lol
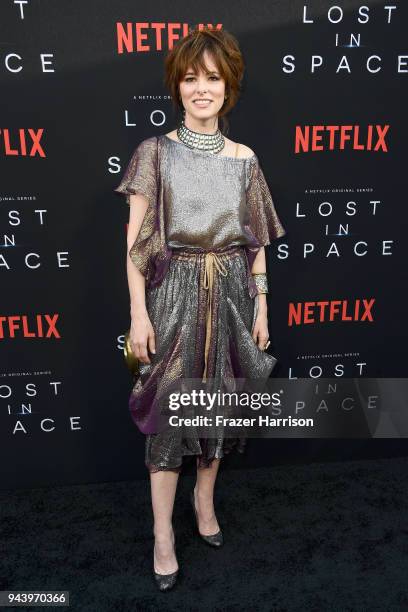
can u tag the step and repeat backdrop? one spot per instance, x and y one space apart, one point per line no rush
324 107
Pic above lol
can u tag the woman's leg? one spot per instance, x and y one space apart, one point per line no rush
204 498
163 490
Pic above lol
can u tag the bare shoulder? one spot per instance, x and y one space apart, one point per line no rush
172 134
243 151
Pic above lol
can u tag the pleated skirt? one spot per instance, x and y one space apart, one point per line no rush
179 312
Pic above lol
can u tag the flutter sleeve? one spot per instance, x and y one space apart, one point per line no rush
149 251
262 224
262 218
141 172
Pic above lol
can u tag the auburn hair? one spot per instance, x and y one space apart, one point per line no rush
189 51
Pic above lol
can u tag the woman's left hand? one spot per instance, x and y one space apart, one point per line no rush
260 333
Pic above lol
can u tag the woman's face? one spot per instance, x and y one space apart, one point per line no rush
203 86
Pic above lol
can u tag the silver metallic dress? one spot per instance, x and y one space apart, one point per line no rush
208 216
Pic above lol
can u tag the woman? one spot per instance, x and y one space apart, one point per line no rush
200 214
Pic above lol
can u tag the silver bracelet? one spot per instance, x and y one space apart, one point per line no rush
261 281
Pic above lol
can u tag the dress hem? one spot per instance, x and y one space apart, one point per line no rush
206 463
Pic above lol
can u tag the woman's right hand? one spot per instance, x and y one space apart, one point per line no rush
142 337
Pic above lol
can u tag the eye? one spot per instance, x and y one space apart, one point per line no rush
190 78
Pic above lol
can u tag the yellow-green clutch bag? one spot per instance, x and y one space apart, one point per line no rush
132 361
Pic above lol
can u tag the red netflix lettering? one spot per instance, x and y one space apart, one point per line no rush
334 310
309 138
33 135
134 37
39 326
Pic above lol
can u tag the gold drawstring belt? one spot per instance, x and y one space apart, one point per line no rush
212 262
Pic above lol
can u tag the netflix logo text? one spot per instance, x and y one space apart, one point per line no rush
29 326
326 311
22 142
145 37
312 138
